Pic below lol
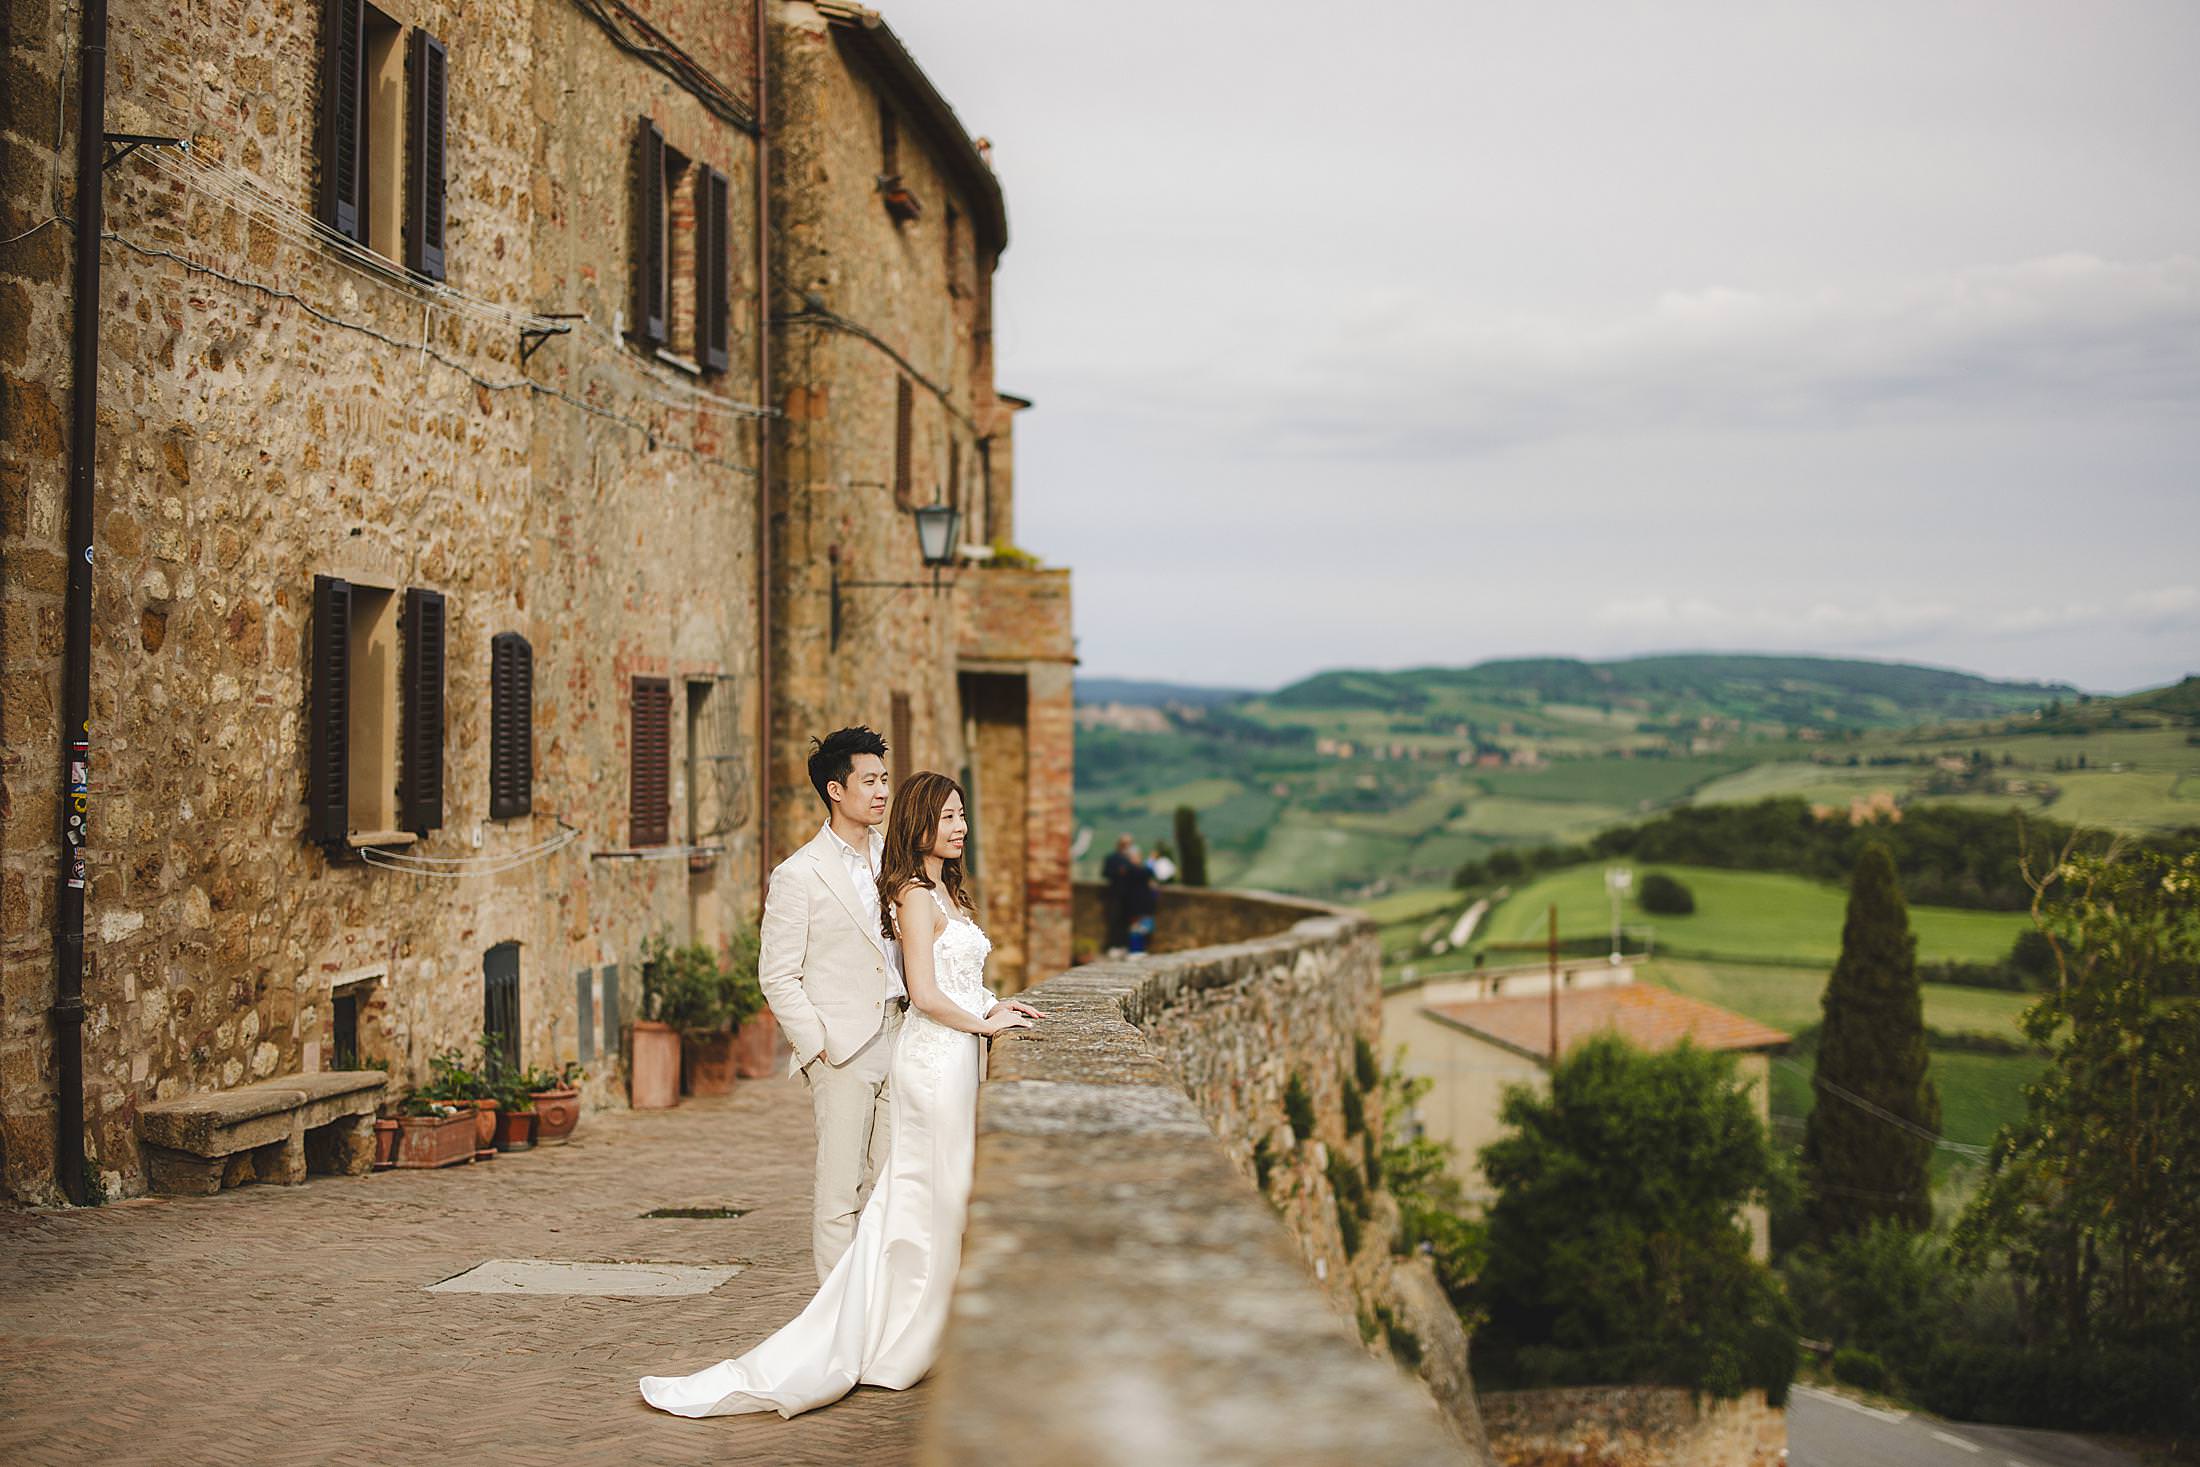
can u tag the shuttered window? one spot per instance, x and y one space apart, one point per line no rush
713 253
328 758
424 170
650 753
344 119
954 471
905 406
902 752
511 726
650 304
420 762
500 1001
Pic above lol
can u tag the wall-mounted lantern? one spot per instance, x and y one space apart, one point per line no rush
938 524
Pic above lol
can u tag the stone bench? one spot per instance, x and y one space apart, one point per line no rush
274 1131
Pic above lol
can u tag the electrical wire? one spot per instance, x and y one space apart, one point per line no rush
487 384
26 234
460 868
196 173
816 313
1961 1148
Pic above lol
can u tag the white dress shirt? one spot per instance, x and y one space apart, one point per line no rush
863 876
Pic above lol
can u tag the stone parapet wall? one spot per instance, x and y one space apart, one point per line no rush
1632 1426
1121 1275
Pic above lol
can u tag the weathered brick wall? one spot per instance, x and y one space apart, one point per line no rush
1119 1250
1632 1426
248 442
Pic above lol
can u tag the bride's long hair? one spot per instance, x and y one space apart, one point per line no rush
911 831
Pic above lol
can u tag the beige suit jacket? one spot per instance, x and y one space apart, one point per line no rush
822 966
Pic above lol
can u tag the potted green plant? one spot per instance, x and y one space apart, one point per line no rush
558 1102
516 1108
755 1026
687 990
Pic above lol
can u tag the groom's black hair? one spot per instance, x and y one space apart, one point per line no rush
833 757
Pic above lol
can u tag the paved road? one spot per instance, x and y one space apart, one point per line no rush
1827 1430
291 1324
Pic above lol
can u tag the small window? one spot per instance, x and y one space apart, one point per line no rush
511 726
902 751
363 713
905 410
649 785
954 470
500 1002
956 285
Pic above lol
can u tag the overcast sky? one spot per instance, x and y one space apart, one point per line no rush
1429 332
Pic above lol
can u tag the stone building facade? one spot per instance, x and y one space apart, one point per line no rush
888 224
445 645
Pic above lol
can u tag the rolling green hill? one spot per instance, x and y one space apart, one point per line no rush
1354 783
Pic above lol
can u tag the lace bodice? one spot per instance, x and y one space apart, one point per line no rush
958 965
958 960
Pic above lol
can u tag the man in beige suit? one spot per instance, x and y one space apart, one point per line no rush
835 982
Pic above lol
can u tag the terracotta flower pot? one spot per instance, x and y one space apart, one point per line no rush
432 1141
385 1145
557 1112
756 1046
653 1072
485 1123
515 1130
706 1063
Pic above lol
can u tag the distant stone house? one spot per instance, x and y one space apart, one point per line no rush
441 648
1472 1036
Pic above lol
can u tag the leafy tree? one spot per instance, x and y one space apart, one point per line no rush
1666 895
1617 1253
1192 848
2095 1196
1867 1147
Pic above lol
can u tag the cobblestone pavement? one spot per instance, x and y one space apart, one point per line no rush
289 1324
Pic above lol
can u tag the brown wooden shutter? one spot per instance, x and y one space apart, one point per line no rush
344 119
954 470
511 726
424 160
902 749
328 715
649 235
650 757
905 405
713 251
420 763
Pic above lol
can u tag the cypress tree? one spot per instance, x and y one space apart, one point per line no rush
1191 848
1859 1165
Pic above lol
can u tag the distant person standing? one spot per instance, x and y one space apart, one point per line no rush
1162 865
1116 871
1141 900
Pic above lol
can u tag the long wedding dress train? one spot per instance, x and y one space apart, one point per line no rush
877 1318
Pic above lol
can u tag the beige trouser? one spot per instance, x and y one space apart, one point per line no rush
850 1102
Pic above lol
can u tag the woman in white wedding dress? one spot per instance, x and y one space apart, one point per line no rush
877 1318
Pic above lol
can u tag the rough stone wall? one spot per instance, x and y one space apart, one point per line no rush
247 443
1119 1179
863 303
1632 1426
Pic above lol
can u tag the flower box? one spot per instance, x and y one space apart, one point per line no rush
433 1141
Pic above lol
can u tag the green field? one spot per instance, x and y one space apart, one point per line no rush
1747 916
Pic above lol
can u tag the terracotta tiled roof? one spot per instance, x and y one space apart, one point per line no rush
1651 1017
